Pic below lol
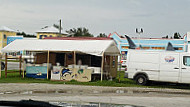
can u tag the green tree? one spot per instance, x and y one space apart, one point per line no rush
102 35
45 27
57 26
177 35
79 32
26 35
165 36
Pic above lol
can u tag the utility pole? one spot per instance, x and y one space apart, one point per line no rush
60 27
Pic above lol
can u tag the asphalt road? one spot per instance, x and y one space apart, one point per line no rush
149 97
75 93
13 65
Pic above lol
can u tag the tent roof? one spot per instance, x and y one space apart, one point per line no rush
93 47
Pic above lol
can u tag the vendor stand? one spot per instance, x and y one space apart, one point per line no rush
100 54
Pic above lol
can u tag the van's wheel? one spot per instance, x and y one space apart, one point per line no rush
141 80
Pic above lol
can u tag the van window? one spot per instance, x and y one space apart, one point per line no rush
186 60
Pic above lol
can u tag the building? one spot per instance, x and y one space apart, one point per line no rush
5 32
50 32
12 38
155 44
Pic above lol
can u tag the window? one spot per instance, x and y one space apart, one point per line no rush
186 60
28 53
11 53
178 48
40 36
4 36
18 53
158 48
145 47
113 62
124 47
124 55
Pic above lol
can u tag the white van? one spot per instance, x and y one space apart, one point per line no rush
165 66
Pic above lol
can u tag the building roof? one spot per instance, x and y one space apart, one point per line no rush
50 29
79 38
93 47
123 37
4 28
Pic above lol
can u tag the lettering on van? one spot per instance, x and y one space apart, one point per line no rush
169 59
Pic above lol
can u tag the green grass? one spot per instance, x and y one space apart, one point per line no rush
124 82
16 78
10 60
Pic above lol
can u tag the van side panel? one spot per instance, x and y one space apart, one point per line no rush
143 62
169 67
144 57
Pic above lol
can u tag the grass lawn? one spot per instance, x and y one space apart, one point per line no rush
10 60
124 82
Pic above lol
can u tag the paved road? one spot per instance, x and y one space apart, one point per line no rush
118 95
13 66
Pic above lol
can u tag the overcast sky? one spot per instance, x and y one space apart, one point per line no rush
157 17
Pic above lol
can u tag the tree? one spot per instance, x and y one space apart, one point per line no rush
177 35
45 27
57 26
26 35
165 37
102 35
79 32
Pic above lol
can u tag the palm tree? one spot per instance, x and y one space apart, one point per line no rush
79 32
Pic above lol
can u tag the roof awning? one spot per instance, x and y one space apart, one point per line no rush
93 47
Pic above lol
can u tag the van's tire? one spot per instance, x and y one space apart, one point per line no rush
141 80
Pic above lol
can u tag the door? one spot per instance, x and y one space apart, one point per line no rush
169 67
185 69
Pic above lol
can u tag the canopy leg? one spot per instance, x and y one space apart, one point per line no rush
5 65
102 67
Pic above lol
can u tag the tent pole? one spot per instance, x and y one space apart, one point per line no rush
119 67
48 64
0 64
23 65
102 66
5 65
20 64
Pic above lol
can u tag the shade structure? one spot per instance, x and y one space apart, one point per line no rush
93 47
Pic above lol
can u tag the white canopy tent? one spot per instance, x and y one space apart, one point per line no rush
93 47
